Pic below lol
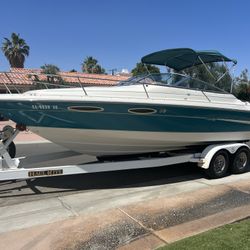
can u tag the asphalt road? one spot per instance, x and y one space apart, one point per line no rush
48 154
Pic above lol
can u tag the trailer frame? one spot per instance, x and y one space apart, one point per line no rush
10 170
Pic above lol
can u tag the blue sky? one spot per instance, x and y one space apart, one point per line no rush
119 33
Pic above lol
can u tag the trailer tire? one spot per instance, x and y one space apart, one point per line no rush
219 165
12 150
241 161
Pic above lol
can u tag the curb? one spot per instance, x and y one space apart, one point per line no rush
169 235
195 227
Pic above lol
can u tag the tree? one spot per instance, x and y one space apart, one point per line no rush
50 69
216 71
90 65
244 76
141 69
52 73
242 87
15 50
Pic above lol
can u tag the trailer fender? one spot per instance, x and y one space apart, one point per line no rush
208 153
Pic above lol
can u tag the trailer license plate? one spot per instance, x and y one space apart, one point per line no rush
45 173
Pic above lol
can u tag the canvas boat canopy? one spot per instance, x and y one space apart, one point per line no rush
183 58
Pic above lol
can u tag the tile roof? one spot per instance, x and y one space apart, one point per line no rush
18 76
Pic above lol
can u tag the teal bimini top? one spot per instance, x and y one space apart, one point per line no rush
183 58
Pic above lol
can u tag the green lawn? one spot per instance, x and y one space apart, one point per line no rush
232 236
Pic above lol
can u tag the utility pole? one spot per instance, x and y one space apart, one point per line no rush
113 71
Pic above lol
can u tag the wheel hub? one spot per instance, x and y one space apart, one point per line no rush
241 160
220 163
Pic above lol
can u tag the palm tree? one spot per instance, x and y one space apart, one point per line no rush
15 50
90 65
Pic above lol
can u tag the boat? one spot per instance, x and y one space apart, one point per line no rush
144 114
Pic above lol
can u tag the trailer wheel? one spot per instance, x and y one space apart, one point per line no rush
219 165
12 150
241 161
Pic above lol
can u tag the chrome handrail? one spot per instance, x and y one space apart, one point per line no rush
33 80
29 79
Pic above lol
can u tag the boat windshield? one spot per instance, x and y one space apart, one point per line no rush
173 80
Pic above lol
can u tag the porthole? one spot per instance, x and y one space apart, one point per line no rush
85 109
142 111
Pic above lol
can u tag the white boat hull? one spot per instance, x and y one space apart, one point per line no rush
108 142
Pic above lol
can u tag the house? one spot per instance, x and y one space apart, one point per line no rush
21 80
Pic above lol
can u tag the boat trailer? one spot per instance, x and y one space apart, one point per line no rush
216 159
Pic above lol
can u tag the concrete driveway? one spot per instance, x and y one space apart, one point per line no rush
136 209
